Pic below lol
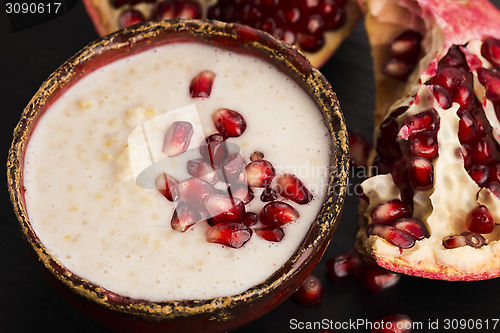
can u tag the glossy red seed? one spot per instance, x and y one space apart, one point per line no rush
200 168
495 172
480 221
359 148
494 187
387 146
395 323
167 186
406 45
201 84
129 17
466 153
256 155
278 213
463 95
229 123
268 195
414 227
164 10
442 96
224 208
310 291
259 173
215 150
484 150
233 170
398 69
491 82
449 77
376 279
420 122
474 240
232 234
249 219
310 43
467 127
421 173
184 217
177 138
480 174
455 58
424 144
344 265
491 51
465 239
291 187
388 212
241 191
392 235
188 9
270 233
194 190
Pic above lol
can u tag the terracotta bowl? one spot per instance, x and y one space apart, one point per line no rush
211 315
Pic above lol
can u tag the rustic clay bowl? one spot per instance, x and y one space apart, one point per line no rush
211 315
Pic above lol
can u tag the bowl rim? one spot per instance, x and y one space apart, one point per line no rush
138 39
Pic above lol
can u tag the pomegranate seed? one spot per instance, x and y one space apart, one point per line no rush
382 165
442 96
406 45
464 95
394 236
376 279
495 172
272 233
484 150
241 191
474 240
260 173
491 51
491 82
466 238
448 78
229 123
177 138
223 208
249 219
201 84
310 43
359 148
414 227
455 58
466 153
398 69
423 121
467 127
494 187
480 174
233 169
424 144
199 168
167 186
395 323
194 190
310 291
129 17
278 213
344 265
480 221
164 10
387 146
256 155
268 195
337 21
184 217
421 173
215 150
230 234
291 187
188 9
389 211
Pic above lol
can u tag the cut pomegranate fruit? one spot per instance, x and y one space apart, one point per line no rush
177 138
376 279
359 148
316 27
229 123
344 265
291 187
215 150
310 291
395 323
260 173
184 217
223 208
443 159
232 234
270 233
201 84
167 185
390 211
278 213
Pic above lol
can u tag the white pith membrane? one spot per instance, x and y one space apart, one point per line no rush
444 208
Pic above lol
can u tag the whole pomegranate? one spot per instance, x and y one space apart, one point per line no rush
317 27
434 196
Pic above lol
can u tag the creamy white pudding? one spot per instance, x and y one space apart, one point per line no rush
81 194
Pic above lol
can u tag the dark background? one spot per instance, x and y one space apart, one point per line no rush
29 304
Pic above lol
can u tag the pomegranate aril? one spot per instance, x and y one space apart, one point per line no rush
465 239
376 279
259 173
194 190
395 323
406 45
256 155
414 227
164 10
130 17
494 187
199 168
177 138
442 96
241 191
479 220
310 291
398 69
495 172
421 173
268 195
278 213
337 21
232 234
270 233
423 121
167 186
467 127
229 123
215 150
474 240
480 174
201 84
491 51
359 148
491 82
449 77
393 235
389 211
249 219
424 144
466 152
291 187
233 169
387 146
484 150
344 265
463 95
310 43
224 208
188 9
184 217
455 58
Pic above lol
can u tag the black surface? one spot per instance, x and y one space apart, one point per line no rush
29 304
